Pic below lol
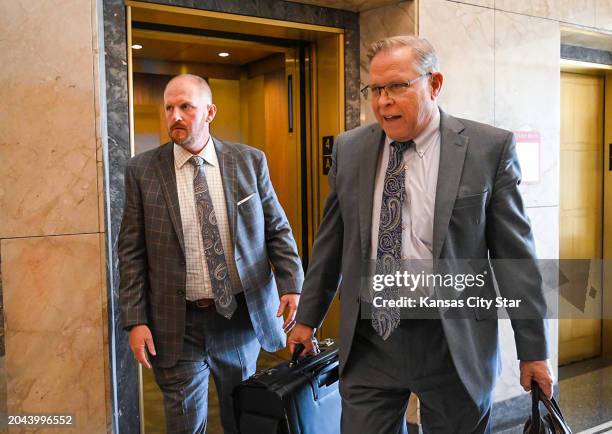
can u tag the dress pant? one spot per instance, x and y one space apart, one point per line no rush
213 344
379 377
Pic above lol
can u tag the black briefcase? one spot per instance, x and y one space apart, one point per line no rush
296 397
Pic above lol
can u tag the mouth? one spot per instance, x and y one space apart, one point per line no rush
390 118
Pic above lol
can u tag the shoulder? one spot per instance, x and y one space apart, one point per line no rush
141 163
487 144
240 151
145 159
481 131
359 132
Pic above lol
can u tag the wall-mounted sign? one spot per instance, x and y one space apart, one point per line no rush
328 147
528 151
327 162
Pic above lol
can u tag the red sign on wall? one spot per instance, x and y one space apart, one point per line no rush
528 151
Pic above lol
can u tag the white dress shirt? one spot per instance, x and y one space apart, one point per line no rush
421 164
198 279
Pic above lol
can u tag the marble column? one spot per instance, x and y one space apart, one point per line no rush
53 290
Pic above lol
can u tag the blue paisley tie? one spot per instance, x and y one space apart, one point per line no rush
389 253
213 249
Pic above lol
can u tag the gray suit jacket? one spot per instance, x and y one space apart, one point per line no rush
151 247
478 212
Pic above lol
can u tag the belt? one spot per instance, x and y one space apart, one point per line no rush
201 304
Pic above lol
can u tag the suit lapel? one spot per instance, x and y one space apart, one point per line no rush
453 147
166 173
227 167
370 150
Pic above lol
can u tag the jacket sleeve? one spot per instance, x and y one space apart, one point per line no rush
134 285
280 244
512 251
323 275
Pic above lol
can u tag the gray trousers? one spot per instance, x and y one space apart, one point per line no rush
379 377
228 349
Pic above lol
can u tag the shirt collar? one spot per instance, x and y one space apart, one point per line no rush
182 156
424 140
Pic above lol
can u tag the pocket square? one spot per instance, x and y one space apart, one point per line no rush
241 201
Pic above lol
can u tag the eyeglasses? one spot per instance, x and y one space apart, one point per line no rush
392 89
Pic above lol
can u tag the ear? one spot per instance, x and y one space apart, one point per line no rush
436 81
210 114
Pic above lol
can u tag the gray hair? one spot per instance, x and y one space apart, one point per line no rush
424 53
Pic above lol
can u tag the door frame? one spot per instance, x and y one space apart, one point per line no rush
605 72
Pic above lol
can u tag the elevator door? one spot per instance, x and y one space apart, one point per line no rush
581 207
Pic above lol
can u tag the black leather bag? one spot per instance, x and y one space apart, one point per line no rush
296 397
551 423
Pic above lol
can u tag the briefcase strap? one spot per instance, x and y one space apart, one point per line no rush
554 411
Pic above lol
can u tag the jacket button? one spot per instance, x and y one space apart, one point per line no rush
180 292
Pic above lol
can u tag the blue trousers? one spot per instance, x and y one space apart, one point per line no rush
226 348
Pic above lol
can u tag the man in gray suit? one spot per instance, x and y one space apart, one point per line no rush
205 250
421 185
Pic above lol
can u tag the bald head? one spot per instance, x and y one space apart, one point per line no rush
192 81
189 111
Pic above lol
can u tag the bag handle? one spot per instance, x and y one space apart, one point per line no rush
296 355
535 407
551 406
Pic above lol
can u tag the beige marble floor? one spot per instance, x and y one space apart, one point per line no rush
153 400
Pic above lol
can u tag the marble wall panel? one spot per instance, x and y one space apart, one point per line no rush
54 328
527 93
352 96
104 314
580 12
3 410
508 385
3 395
48 141
545 227
351 5
124 388
376 24
603 14
463 38
101 195
483 3
534 8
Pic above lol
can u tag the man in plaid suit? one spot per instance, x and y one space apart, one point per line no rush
205 250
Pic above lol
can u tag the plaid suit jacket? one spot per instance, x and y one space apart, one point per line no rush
151 247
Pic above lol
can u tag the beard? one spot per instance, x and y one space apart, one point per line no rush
189 140
181 136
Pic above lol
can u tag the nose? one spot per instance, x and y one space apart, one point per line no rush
384 99
176 115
